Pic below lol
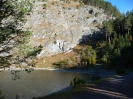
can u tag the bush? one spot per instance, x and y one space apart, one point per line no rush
104 59
55 42
77 81
96 14
44 6
93 60
89 60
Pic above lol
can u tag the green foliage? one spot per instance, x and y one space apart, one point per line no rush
89 56
108 27
96 14
117 49
88 60
94 54
61 64
77 81
1 97
109 9
104 59
93 60
34 51
9 31
55 42
127 24
110 47
75 0
83 54
117 52
44 6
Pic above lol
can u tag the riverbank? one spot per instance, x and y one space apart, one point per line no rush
101 72
115 87
34 68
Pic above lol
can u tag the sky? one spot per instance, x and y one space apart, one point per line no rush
122 5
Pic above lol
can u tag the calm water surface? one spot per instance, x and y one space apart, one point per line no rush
37 83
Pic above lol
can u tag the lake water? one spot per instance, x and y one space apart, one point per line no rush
37 83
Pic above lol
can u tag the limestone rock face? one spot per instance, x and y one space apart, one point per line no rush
59 26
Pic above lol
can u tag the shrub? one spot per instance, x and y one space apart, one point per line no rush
83 54
96 14
104 59
88 60
93 60
87 17
77 81
95 21
44 6
55 42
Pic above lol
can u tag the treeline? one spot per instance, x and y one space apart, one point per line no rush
118 47
107 6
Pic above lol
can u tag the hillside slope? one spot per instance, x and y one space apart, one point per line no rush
59 26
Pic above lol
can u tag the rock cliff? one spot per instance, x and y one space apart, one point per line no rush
59 26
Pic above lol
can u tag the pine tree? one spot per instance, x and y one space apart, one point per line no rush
127 25
12 13
108 27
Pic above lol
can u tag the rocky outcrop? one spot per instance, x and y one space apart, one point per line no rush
59 26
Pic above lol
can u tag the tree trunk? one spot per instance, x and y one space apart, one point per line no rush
106 36
109 39
119 31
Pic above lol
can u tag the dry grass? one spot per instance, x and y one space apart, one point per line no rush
47 62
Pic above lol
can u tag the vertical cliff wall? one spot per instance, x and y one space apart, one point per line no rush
59 26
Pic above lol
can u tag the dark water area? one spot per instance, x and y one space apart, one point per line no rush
37 83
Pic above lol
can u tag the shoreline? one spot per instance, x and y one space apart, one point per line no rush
101 72
1 69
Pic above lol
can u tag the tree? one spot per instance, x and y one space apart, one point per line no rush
127 24
12 18
118 23
108 27
93 60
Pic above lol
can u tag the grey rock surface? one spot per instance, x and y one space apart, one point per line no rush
61 26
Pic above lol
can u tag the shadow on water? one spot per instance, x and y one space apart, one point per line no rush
42 97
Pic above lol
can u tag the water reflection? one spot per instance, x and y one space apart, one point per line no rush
37 83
